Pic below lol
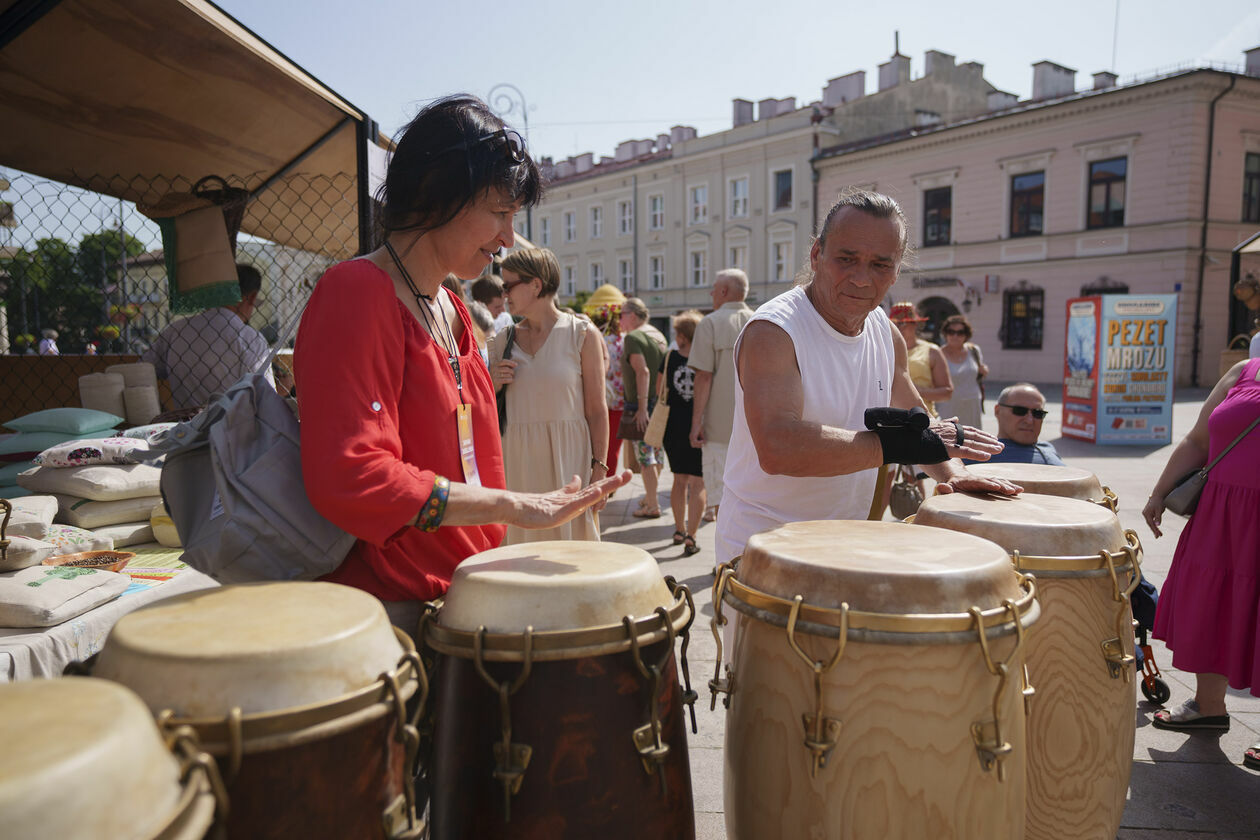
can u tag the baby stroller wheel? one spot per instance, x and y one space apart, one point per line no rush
1156 690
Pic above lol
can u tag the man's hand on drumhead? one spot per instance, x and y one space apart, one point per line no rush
547 510
971 483
966 441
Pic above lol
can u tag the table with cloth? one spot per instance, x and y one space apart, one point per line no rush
156 572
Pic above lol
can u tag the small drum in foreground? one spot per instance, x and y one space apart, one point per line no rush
83 760
299 691
1081 723
875 684
558 710
1048 480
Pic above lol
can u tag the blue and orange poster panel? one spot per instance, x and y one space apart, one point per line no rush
1118 368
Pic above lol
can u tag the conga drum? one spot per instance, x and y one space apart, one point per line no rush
83 760
875 684
558 708
1048 480
1081 721
299 690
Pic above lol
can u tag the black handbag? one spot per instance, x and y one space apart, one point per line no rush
500 396
905 496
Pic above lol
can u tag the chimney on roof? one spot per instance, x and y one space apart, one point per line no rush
642 147
1052 80
1104 79
1253 61
1000 100
742 112
625 151
786 105
767 108
844 89
680 133
895 71
584 163
662 142
935 61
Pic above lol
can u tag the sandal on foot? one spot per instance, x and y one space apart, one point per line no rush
689 546
1251 758
710 515
1186 718
647 513
679 536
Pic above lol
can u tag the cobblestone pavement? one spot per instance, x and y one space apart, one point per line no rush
1188 787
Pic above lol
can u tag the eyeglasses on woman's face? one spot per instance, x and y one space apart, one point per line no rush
511 141
953 331
1021 410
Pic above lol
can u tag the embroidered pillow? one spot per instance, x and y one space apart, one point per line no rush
25 446
67 539
82 453
23 552
148 432
41 596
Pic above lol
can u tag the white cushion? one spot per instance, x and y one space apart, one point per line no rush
23 552
85 513
101 483
41 596
125 533
31 516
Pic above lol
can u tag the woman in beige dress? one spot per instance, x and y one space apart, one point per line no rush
556 412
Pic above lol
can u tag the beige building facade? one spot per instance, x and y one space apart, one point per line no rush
1145 188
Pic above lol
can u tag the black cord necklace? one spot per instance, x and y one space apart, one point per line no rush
432 322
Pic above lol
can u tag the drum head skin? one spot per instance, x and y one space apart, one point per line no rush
1032 524
261 647
881 567
554 585
82 760
1045 479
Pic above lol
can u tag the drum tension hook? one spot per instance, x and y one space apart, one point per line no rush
821 733
718 685
647 738
510 760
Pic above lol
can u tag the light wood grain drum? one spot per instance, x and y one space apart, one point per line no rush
1047 480
299 690
558 707
874 685
1081 721
83 760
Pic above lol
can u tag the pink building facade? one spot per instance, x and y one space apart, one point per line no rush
1013 213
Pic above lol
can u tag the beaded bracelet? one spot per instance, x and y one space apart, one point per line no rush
435 506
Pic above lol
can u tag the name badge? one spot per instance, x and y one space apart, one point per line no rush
467 451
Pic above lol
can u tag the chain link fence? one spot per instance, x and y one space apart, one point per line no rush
84 284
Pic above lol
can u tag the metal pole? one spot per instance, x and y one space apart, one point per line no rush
504 99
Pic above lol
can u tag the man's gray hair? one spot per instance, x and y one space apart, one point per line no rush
736 279
1020 386
872 203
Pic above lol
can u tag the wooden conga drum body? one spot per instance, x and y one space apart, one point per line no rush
558 708
83 760
1048 480
1081 721
875 685
299 690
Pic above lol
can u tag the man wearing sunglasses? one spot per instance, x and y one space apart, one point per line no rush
1020 411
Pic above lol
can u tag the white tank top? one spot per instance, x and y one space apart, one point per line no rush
841 377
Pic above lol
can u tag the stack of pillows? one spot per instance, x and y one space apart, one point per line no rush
44 429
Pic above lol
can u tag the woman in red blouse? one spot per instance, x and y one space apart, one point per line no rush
399 429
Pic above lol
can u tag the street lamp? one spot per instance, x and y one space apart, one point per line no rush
506 99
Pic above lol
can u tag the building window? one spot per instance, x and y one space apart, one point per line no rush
570 226
1028 200
597 275
597 222
1251 188
783 189
625 274
937 205
737 257
625 218
656 272
545 231
656 212
780 261
570 281
739 198
698 267
1022 311
1106 192
699 204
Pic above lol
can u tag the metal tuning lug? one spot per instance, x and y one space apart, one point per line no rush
509 769
821 738
1119 663
990 748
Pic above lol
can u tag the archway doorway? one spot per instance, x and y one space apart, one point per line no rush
936 310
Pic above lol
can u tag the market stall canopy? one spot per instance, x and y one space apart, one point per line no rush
118 95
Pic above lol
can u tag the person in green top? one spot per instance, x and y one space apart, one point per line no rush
644 348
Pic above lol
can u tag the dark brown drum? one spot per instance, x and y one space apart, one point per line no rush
558 707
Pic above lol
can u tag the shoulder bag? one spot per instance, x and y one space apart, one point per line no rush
1184 498
975 354
905 497
500 396
654 434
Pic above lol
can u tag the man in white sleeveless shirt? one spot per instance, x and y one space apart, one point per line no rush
810 363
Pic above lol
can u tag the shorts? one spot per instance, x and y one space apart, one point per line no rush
648 456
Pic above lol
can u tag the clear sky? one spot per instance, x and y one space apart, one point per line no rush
596 73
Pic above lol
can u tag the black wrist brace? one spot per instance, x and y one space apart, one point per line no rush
904 436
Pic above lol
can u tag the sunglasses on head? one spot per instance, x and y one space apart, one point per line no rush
1021 410
512 142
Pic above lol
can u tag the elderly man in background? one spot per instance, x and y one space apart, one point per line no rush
712 352
823 397
1020 411
205 354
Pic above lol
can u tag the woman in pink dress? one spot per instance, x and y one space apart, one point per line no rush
1209 608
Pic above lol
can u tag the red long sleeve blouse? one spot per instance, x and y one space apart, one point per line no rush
378 404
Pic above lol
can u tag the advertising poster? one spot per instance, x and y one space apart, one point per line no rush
1118 368
1080 368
